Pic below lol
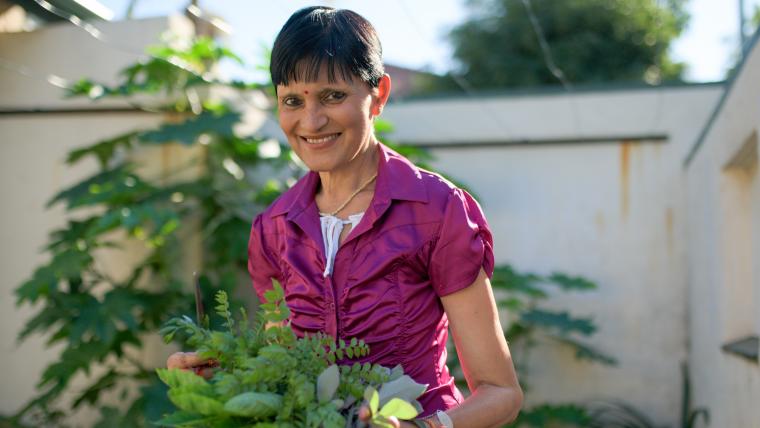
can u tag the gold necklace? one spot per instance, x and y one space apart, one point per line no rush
353 195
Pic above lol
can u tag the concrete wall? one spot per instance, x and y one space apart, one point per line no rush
33 147
612 211
723 202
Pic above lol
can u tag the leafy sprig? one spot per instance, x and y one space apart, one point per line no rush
268 377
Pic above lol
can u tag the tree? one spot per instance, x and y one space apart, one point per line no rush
590 41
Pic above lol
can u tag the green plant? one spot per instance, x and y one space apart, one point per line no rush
101 320
521 295
620 414
268 376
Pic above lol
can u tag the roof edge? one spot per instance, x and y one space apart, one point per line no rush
553 90
719 106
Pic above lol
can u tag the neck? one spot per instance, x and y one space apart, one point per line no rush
338 185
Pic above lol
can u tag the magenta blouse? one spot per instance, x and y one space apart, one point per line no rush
421 238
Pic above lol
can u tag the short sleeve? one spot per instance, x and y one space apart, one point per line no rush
262 263
463 247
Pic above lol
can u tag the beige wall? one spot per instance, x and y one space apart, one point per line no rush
723 200
33 147
612 211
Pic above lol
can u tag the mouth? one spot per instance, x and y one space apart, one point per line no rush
317 140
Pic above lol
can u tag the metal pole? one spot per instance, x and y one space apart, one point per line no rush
742 36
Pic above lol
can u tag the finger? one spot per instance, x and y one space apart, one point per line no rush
395 422
205 372
182 360
364 413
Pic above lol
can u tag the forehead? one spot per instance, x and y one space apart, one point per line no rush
308 74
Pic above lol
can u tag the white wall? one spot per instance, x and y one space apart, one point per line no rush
723 191
613 212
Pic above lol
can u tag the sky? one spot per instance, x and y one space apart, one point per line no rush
413 32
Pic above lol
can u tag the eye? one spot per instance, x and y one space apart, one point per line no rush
334 96
290 101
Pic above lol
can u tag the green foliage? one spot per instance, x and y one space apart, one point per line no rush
97 319
267 375
550 415
591 41
521 295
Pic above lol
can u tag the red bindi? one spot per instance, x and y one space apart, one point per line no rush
306 92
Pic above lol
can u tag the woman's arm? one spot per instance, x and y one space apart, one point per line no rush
483 352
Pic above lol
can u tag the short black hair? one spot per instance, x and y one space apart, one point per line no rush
312 35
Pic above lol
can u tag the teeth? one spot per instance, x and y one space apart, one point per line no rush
320 140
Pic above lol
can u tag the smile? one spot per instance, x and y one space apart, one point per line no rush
320 140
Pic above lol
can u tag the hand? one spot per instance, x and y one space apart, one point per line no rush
191 361
365 414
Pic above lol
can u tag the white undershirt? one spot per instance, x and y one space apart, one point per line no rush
331 228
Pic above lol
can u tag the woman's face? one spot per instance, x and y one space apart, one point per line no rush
329 125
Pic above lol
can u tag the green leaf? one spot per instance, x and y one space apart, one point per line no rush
571 283
188 131
183 418
546 415
104 150
258 405
372 398
404 388
194 402
115 186
585 352
92 393
561 321
327 383
178 378
507 279
398 408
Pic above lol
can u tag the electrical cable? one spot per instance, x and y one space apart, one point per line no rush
460 80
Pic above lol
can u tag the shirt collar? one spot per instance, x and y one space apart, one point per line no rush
397 178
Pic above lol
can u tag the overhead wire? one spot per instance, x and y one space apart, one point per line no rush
552 66
459 80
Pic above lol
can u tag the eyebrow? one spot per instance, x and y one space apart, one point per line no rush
321 92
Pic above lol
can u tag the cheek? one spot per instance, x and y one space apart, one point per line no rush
286 121
358 117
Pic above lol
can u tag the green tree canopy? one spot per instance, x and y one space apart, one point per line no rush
590 41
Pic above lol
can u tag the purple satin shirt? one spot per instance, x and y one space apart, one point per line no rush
421 238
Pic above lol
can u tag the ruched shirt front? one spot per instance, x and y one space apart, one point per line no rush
420 239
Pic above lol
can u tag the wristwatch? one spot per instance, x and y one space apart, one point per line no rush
444 419
438 420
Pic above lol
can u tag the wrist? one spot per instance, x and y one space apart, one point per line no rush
436 420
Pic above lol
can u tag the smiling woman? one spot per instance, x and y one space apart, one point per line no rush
368 245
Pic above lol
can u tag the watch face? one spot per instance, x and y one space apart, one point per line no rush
444 419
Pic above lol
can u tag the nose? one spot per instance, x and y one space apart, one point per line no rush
314 118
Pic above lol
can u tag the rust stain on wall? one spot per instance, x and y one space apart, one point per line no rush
599 220
625 177
669 227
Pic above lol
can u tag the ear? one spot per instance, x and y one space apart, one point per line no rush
383 92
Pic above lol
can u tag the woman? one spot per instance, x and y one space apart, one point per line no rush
366 244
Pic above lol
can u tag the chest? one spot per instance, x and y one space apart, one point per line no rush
379 280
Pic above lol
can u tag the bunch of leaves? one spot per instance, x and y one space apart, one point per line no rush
267 377
97 319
